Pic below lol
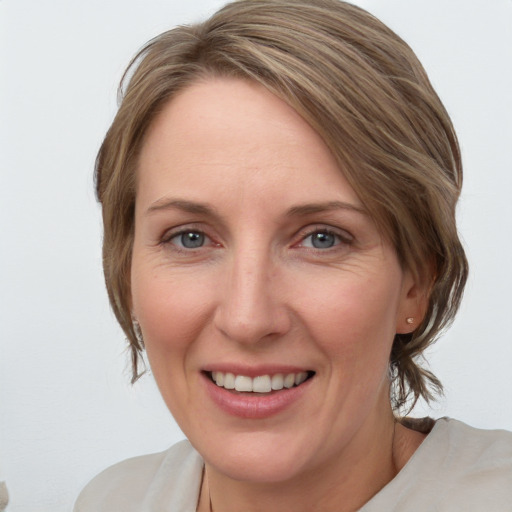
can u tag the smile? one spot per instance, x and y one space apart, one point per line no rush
260 383
261 394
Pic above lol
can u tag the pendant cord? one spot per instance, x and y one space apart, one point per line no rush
393 458
209 494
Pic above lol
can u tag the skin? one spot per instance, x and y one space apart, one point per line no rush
229 160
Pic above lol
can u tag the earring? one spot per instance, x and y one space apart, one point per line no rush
409 320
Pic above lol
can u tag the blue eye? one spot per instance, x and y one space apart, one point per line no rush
189 239
323 240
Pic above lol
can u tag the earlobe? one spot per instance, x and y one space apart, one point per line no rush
406 325
414 306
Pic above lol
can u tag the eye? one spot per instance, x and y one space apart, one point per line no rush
324 239
189 239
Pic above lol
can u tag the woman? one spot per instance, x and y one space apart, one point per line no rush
278 192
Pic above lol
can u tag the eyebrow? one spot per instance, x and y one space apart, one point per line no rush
308 209
181 204
207 210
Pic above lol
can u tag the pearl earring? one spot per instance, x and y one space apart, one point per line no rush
409 320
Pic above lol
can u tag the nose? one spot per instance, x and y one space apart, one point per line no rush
251 307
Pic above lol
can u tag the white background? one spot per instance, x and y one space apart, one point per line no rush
67 409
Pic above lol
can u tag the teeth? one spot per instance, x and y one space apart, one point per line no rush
229 381
289 381
300 378
260 384
243 383
277 381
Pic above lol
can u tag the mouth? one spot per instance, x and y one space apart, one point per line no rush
261 384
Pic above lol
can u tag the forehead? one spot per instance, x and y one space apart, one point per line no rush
230 133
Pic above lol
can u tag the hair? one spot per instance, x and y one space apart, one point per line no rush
362 88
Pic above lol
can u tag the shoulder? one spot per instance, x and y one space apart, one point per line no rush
142 483
472 448
457 467
475 466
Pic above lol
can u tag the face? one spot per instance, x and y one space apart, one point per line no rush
256 266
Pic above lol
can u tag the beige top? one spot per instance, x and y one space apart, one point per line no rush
456 468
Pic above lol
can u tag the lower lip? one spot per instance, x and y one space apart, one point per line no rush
252 405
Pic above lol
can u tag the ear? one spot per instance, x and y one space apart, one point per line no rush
413 304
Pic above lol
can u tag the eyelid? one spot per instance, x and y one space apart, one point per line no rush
176 231
344 235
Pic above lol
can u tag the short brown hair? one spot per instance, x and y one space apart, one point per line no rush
365 92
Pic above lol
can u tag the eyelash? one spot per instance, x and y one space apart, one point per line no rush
340 239
168 239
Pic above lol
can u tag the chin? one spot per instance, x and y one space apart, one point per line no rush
259 457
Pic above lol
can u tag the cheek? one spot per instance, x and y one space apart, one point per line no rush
353 320
171 310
